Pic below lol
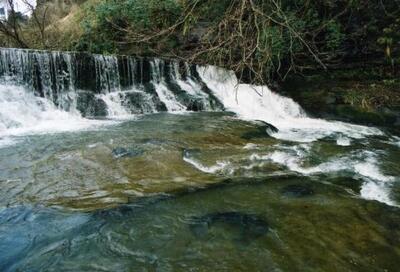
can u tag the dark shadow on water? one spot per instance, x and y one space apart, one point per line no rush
249 226
35 238
297 190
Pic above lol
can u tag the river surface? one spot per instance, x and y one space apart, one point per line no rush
186 194
258 186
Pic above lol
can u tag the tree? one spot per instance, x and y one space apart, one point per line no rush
12 27
16 26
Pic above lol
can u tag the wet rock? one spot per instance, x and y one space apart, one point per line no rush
196 105
90 106
351 183
362 116
151 90
140 102
265 129
297 190
121 152
250 226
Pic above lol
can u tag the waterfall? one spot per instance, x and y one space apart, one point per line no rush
106 86
120 86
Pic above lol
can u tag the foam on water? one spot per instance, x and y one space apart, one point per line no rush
4 142
373 190
250 146
343 141
369 168
218 167
364 164
260 103
22 113
376 185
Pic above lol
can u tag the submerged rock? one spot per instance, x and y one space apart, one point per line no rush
297 190
121 152
250 226
189 153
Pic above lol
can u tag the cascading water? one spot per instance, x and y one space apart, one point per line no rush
21 113
57 90
260 103
106 85
94 86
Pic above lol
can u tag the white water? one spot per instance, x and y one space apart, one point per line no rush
218 167
260 103
396 141
168 98
343 141
22 113
108 79
190 86
114 105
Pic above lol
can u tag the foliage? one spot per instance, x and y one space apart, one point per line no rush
260 40
106 22
390 37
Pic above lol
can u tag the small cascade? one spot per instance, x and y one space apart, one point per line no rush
260 103
294 126
49 74
114 105
21 113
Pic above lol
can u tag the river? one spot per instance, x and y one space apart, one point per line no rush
130 164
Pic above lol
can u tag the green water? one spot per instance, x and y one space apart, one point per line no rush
196 192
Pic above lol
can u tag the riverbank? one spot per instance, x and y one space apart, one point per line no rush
368 96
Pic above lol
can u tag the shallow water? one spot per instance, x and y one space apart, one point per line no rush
194 191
